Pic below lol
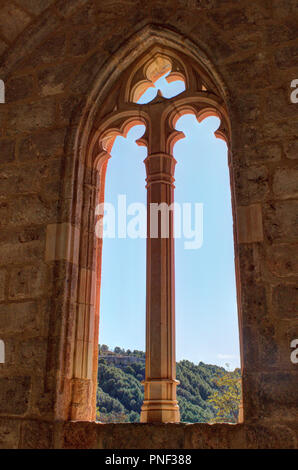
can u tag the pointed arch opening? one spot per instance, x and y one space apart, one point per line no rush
110 111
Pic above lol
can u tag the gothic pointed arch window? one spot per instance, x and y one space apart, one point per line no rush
138 98
143 99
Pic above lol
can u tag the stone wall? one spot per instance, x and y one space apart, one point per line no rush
51 54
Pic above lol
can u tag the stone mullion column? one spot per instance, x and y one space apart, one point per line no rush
160 404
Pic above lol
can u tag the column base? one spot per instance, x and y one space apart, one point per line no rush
160 404
157 411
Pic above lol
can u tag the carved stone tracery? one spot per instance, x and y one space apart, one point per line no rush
118 113
159 117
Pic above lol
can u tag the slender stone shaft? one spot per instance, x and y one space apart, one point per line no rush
160 404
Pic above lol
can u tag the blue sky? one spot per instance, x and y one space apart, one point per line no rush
206 309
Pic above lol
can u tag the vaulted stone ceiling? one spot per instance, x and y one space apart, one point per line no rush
26 23
17 16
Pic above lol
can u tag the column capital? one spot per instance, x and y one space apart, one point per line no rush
160 168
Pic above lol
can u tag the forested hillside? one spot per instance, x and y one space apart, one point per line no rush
120 393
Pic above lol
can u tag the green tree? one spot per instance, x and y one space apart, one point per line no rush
118 350
120 393
226 399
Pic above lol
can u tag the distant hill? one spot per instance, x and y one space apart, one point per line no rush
120 393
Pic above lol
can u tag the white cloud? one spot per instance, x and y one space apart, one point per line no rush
227 356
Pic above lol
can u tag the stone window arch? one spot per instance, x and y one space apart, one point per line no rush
111 110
